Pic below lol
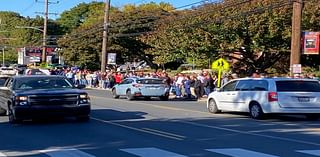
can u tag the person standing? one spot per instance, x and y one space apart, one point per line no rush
186 84
197 88
192 83
118 78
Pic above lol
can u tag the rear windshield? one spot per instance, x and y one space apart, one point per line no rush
150 81
298 86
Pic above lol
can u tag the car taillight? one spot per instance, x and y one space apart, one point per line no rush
137 85
272 96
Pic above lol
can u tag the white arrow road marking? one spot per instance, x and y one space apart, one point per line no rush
151 152
310 152
65 153
238 152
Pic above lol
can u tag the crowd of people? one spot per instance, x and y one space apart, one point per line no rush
189 86
192 86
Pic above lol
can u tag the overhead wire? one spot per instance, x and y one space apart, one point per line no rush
217 20
29 7
215 1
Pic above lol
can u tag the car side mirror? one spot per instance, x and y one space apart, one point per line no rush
216 89
81 86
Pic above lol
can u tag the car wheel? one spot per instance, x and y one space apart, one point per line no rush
114 94
147 98
312 116
129 95
212 107
12 117
164 98
3 112
255 111
84 118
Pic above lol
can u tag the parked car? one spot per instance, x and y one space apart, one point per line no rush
28 97
36 72
7 71
268 95
141 87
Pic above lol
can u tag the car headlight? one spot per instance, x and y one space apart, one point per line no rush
83 96
22 98
84 99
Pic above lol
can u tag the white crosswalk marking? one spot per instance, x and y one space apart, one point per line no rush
2 155
151 152
65 153
310 152
238 152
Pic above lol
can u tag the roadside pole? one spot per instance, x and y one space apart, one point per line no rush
2 56
219 78
296 34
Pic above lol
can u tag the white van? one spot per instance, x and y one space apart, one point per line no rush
259 96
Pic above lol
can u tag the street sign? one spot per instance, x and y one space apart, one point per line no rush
34 59
220 65
296 69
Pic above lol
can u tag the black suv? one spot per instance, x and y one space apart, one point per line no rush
28 97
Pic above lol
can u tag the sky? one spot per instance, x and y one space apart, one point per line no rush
29 7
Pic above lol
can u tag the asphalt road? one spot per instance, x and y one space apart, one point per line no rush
122 128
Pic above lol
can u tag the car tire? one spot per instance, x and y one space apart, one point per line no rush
12 118
313 116
129 95
84 118
164 98
114 94
147 98
212 106
255 111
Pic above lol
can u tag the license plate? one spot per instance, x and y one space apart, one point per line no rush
303 99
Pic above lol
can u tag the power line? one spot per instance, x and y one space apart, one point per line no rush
29 7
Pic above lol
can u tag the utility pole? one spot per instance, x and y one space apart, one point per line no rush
105 35
296 34
45 25
2 56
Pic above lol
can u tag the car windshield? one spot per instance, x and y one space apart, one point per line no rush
150 81
298 86
42 83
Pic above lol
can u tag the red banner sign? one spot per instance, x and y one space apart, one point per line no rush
311 43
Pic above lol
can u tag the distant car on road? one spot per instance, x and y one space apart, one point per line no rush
268 95
36 71
141 87
7 71
28 97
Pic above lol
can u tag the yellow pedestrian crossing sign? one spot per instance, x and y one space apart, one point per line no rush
220 64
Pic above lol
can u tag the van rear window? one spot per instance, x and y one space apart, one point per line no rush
298 86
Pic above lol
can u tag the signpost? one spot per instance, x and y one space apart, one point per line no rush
220 65
296 69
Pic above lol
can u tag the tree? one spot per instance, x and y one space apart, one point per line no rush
125 26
